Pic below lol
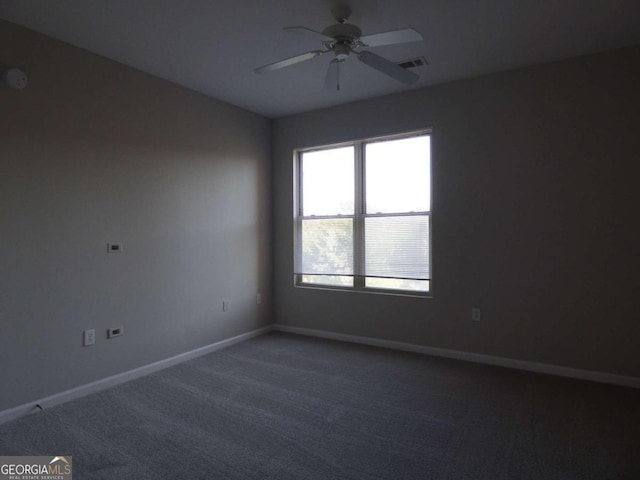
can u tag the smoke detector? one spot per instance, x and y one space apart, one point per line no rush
14 78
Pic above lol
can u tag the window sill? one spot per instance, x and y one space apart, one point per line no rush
368 291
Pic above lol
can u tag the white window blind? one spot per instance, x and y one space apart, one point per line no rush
363 215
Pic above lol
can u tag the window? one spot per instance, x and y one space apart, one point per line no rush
363 215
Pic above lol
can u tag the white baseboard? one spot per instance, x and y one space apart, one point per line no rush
93 387
98 385
601 377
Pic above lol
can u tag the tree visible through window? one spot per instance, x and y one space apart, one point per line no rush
363 215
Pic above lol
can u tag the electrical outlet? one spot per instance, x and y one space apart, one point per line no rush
89 338
225 306
258 298
476 314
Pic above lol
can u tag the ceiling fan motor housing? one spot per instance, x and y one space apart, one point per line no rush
343 32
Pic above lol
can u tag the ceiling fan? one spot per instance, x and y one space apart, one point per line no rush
343 39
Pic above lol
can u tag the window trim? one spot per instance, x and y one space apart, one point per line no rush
358 216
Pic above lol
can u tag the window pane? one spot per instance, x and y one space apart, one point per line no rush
397 284
397 247
398 175
327 247
327 182
333 280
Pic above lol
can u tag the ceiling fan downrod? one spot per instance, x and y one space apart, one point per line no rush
341 13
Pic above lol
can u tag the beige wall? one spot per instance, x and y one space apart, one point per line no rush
535 201
95 152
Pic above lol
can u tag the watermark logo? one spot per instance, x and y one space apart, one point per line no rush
36 468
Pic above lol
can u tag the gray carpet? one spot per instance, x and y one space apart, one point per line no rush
289 407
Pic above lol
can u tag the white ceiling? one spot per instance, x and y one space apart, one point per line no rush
213 46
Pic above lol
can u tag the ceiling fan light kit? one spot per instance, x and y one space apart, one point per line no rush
343 39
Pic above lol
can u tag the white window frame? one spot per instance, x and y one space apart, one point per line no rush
358 218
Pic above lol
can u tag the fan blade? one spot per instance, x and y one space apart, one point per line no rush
332 80
389 38
307 32
388 68
289 61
